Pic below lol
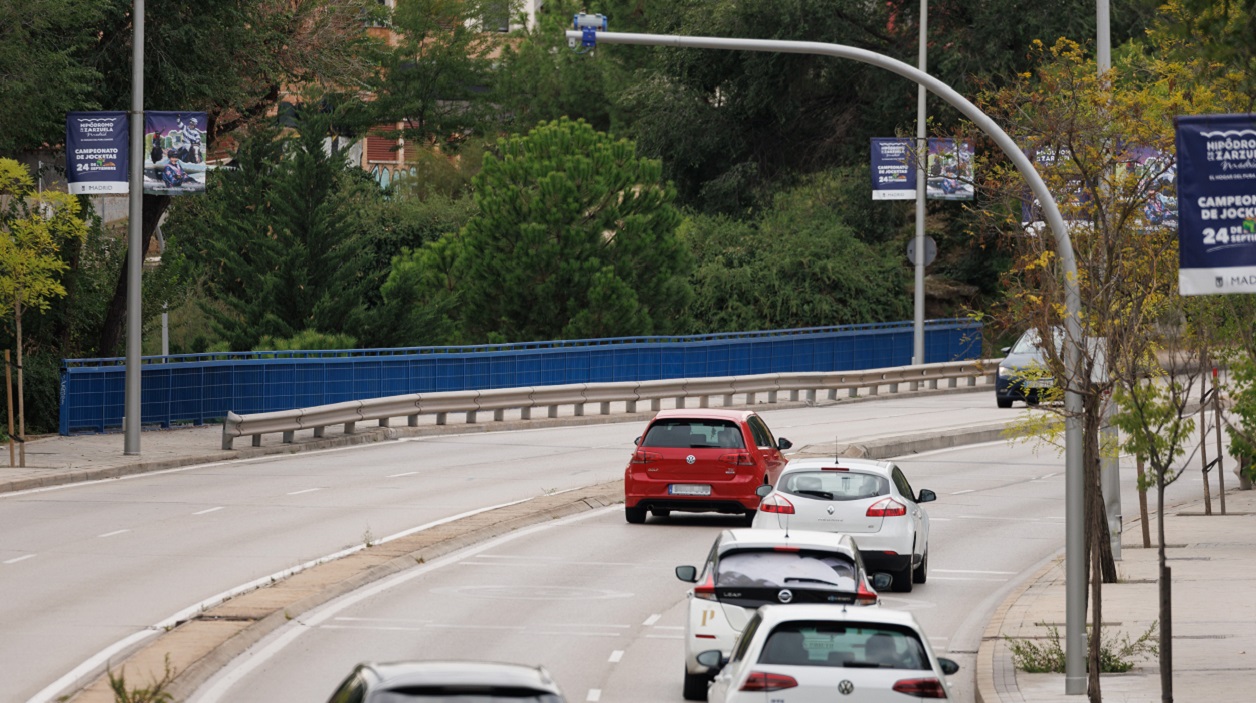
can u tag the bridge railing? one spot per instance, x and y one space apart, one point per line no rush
578 395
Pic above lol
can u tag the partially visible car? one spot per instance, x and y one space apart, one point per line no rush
1023 373
431 681
749 568
869 500
800 654
701 461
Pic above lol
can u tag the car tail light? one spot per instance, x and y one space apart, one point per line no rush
776 504
887 507
737 459
705 590
759 681
921 688
865 595
643 457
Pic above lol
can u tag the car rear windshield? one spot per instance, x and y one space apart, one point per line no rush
853 645
776 569
834 485
694 434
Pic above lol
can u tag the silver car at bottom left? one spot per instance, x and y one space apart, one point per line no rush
431 681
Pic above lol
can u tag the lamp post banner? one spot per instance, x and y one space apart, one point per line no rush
96 152
1216 178
950 170
893 169
174 152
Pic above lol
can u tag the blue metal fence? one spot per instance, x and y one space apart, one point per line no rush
195 388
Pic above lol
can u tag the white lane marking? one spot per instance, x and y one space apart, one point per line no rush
665 637
1044 476
111 534
616 656
308 490
960 493
669 627
939 519
210 510
21 558
548 564
102 657
972 571
652 619
217 687
962 578
473 628
940 430
595 694
408 473
999 517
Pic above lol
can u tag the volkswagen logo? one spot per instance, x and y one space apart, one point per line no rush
785 595
690 459
845 687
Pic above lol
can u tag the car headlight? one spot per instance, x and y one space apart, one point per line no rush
1006 370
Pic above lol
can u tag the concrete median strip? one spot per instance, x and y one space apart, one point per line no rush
200 646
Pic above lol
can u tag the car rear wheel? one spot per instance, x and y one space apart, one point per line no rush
696 686
1003 402
636 516
748 518
921 573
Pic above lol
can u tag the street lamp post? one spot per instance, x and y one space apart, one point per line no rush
922 153
1074 513
135 240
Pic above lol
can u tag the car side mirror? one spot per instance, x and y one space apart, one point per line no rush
926 496
881 580
637 441
1006 349
949 666
783 444
688 574
763 490
714 659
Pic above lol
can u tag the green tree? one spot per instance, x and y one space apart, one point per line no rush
281 239
797 264
575 237
33 227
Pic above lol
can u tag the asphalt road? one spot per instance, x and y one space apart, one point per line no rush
595 601
87 566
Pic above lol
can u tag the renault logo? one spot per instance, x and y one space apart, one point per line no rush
845 687
785 595
690 459
830 510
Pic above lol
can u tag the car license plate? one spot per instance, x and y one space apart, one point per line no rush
1040 383
688 489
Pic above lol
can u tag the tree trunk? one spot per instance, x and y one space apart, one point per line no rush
1094 642
21 392
1096 509
1142 505
115 317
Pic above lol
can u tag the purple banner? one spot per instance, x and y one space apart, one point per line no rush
96 147
893 169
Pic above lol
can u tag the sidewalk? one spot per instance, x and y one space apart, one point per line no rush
1213 616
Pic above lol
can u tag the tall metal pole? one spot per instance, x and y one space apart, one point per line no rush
922 153
1074 507
135 257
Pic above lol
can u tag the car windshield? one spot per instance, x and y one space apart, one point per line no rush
776 569
694 434
834 485
852 645
440 694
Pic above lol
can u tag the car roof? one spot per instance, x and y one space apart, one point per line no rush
704 414
443 673
774 614
812 463
761 538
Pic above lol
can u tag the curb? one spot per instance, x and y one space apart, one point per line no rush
199 647
887 447
382 434
985 689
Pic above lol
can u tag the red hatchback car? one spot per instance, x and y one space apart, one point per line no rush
701 461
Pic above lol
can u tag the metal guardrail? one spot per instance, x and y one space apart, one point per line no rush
578 395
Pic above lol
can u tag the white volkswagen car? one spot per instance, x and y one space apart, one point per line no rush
868 500
812 653
749 568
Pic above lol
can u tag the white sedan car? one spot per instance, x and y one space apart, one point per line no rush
869 500
812 653
749 568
